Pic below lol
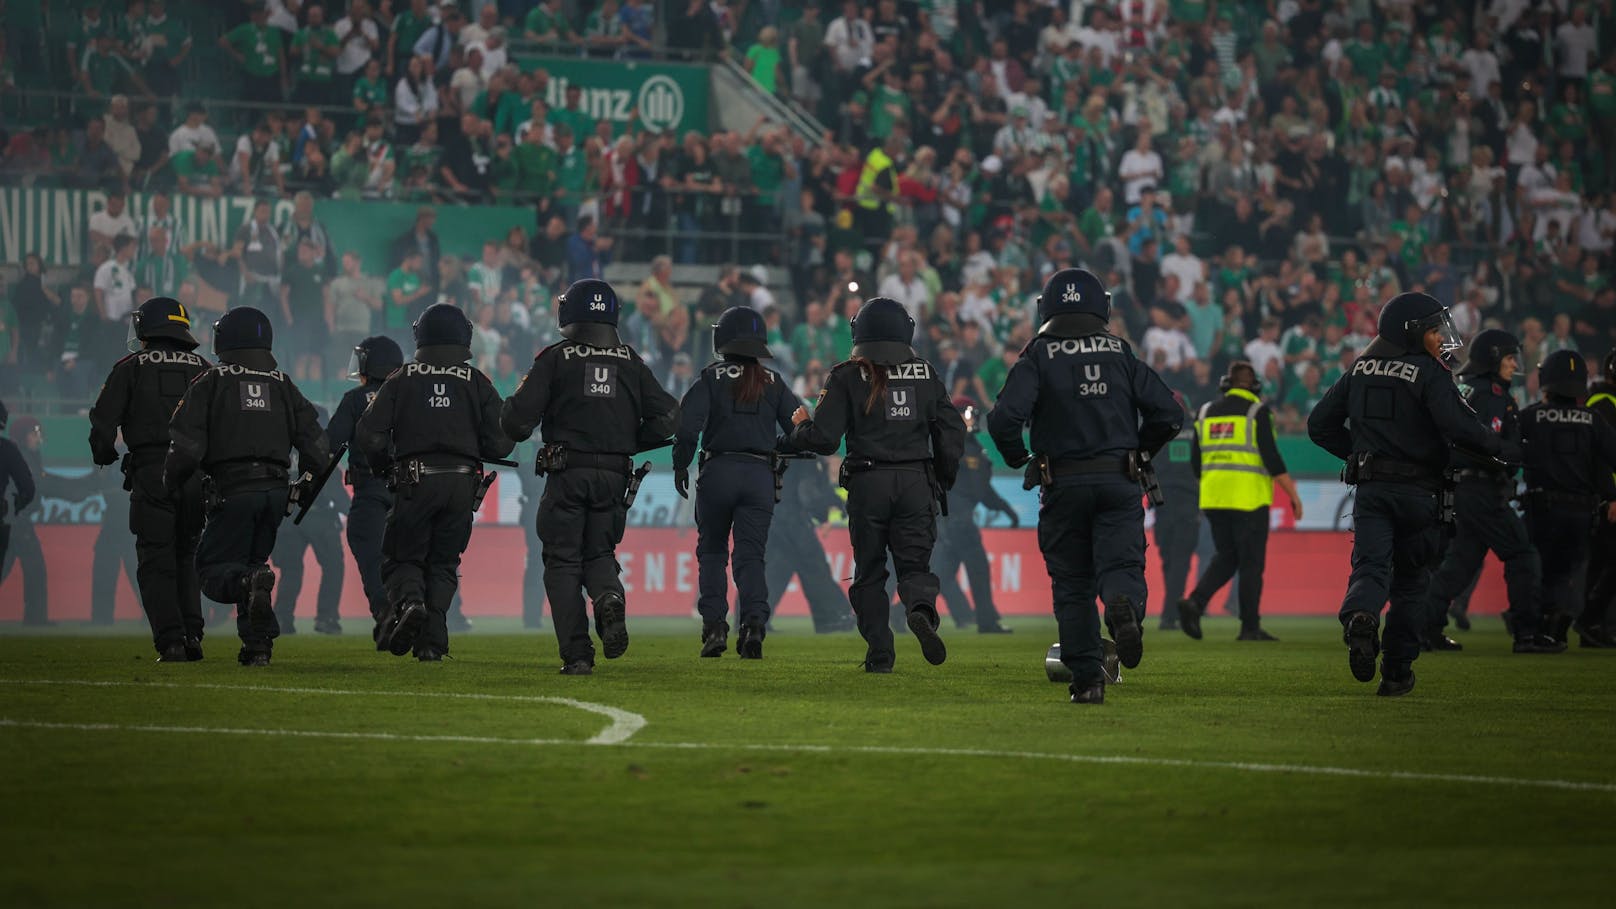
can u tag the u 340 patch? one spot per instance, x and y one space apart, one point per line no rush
255 397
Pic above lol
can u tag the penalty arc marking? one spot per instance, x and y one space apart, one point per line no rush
615 735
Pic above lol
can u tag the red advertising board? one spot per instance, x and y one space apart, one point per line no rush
1307 574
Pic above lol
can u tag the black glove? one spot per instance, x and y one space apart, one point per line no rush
681 482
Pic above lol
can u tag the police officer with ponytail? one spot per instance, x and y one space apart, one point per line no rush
435 420
1097 414
1483 519
596 404
1392 418
904 443
138 398
1569 465
373 360
736 411
1594 630
1237 456
237 424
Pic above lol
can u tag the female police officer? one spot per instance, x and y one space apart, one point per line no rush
904 442
735 409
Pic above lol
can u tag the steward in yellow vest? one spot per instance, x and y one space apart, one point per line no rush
1595 628
1238 460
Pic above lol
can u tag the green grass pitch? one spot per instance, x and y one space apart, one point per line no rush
1217 774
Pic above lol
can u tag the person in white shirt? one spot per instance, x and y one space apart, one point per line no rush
357 35
120 134
1482 65
477 32
906 287
115 283
1520 140
111 222
281 17
1167 346
415 99
1596 231
1575 43
495 54
1140 165
849 38
1263 352
1186 266
193 132
469 81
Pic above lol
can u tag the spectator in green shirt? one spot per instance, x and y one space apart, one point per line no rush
104 72
763 60
255 45
408 26
316 49
406 294
536 165
197 171
168 44
1300 397
572 114
813 339
770 168
547 23
370 89
163 269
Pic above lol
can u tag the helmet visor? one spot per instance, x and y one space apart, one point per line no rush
132 340
1450 339
356 363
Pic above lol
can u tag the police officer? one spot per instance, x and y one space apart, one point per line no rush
139 397
533 557
1238 460
1594 629
1404 411
24 551
320 531
904 442
959 540
436 420
736 410
373 360
806 500
1570 457
14 473
1483 519
596 404
1095 411
1178 518
113 554
237 424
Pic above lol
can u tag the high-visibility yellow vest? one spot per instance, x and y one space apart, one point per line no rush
876 162
1232 471
1602 396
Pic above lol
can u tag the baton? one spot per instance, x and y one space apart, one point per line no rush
319 483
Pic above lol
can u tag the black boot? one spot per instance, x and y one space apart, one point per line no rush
611 623
398 637
193 649
578 667
1189 618
1439 641
1362 636
1125 631
1093 693
924 625
1109 664
1538 643
1396 680
174 653
714 638
1593 636
750 645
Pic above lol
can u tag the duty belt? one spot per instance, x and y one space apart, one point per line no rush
144 456
1471 473
705 456
860 465
229 475
1088 466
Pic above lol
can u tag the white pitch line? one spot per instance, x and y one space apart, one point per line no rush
1124 760
624 723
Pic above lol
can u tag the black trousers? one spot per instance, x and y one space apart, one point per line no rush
890 510
1092 535
25 553
581 521
166 530
1561 535
533 565
1177 531
794 550
427 531
238 537
1241 538
734 497
320 531
1601 580
112 555
1396 539
367 522
959 543
1483 520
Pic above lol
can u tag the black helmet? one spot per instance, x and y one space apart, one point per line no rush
242 328
1487 352
883 332
1564 373
1407 317
1073 292
443 324
161 317
1608 369
589 313
739 332
375 357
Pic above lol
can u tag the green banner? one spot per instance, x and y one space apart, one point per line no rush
661 96
55 223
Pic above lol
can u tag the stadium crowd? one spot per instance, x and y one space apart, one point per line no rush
1252 177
